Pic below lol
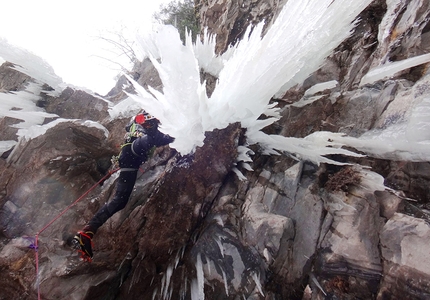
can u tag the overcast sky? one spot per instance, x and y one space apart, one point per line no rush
67 34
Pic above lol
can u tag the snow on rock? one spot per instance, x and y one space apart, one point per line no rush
127 108
27 134
37 130
31 65
408 16
418 127
6 146
97 125
22 105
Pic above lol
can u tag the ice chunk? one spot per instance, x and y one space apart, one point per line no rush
306 101
319 87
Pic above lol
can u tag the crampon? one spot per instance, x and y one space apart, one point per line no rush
83 244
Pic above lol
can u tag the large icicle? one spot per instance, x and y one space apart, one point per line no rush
390 68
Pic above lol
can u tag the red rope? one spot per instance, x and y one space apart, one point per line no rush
56 218
37 265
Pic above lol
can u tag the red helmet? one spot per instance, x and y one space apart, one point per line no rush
143 117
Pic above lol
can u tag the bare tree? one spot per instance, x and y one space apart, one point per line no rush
121 50
182 15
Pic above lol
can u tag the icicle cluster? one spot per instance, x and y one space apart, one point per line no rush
249 75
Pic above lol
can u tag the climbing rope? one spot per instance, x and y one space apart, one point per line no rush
35 245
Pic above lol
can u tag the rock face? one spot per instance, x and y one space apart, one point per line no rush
229 20
76 104
11 80
193 230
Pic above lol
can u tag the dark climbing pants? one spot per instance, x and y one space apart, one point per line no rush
124 187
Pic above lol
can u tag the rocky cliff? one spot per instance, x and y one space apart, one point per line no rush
192 229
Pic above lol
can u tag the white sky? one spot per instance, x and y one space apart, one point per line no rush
65 34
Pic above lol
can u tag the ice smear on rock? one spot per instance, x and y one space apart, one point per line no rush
22 106
408 139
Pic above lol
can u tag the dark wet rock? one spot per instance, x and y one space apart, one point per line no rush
180 202
42 178
229 20
143 73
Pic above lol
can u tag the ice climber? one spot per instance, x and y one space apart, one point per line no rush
142 138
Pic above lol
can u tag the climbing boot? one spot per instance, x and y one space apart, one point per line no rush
83 243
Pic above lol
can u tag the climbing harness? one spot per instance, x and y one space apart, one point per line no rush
35 244
115 161
132 134
134 131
